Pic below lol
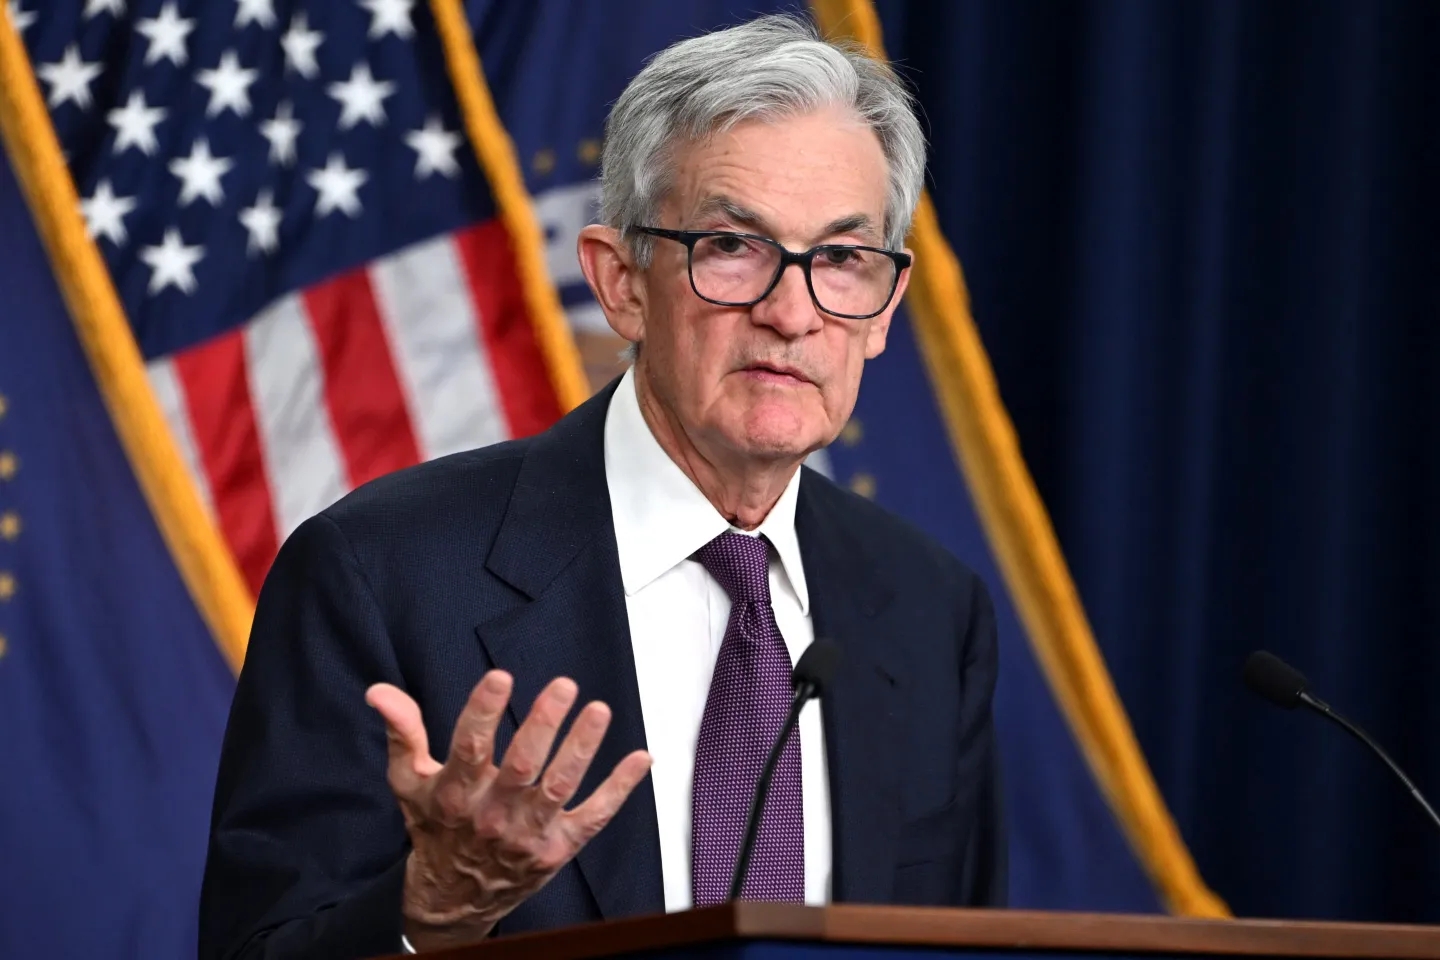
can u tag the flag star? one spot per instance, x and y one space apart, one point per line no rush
434 147
172 263
282 132
255 11
105 213
361 97
167 34
95 7
70 78
300 44
135 123
229 86
19 17
337 186
200 174
262 222
390 16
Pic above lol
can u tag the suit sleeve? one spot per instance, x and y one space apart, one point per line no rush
307 844
986 866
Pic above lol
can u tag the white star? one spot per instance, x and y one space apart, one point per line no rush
166 34
172 263
105 213
262 222
337 185
361 97
93 7
229 86
300 44
20 18
435 149
282 132
69 78
200 174
390 16
255 11
135 123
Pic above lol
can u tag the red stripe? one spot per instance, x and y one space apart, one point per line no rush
362 389
522 377
216 384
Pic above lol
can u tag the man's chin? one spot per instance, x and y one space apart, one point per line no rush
780 438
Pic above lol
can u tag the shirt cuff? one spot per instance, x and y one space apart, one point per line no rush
405 946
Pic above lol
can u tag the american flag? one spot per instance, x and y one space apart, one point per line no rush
305 247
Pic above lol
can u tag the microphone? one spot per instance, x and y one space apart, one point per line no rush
810 679
1275 680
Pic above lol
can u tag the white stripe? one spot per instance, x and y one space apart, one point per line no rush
166 385
430 319
297 439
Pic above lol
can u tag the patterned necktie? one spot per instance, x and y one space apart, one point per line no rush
749 698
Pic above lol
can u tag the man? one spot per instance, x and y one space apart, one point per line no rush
660 551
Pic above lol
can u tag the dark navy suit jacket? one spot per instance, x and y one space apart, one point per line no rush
505 557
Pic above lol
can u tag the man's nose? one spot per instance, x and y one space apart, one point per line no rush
789 310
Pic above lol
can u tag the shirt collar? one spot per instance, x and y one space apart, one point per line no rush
661 517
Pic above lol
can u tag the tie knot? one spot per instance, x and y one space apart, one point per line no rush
740 564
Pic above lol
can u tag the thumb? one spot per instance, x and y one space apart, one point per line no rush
408 746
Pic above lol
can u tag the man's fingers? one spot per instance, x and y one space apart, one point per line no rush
407 744
525 757
473 742
591 816
562 778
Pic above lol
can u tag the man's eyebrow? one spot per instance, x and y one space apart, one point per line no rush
854 223
734 212
754 222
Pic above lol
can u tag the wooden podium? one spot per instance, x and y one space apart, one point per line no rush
770 931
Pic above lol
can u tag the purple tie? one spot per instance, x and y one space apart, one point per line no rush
749 698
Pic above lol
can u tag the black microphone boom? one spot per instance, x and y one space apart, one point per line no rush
810 679
1275 680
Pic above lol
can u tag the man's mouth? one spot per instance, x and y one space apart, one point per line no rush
780 373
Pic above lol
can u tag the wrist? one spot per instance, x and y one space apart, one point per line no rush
433 921
425 937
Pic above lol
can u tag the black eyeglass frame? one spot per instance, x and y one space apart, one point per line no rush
689 238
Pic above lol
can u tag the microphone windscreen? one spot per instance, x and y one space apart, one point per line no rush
817 665
1274 679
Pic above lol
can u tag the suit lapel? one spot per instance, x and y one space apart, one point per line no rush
557 547
862 712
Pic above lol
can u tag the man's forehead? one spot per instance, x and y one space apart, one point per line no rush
811 174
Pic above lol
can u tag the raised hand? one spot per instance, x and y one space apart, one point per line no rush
485 837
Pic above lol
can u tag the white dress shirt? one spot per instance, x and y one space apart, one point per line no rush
678 614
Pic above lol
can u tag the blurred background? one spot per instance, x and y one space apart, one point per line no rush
1176 404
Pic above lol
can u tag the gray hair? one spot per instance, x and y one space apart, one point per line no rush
769 68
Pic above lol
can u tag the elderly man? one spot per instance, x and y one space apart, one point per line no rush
660 552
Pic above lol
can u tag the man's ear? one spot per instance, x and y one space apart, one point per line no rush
880 326
609 267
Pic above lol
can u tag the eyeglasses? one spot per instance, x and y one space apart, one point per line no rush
740 269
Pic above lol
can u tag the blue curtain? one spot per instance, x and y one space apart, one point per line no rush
1203 245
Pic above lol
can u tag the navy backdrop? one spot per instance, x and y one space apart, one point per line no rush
1201 243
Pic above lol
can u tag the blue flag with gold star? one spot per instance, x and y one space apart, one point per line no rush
113 694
